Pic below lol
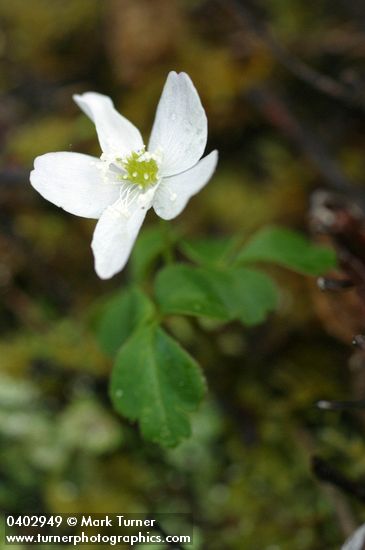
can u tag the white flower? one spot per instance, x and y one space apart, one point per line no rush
356 540
127 180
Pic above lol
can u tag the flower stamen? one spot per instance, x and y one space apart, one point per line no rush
141 168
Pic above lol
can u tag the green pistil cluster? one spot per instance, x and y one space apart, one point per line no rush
141 169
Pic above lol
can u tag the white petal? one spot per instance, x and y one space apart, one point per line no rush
356 541
114 238
180 127
173 193
116 134
73 182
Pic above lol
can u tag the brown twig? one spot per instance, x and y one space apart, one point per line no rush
323 83
327 473
340 405
277 113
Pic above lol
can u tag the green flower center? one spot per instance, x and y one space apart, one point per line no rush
141 168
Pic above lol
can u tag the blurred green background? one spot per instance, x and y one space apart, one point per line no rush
245 474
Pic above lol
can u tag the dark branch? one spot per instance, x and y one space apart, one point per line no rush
277 113
327 473
301 70
340 405
334 285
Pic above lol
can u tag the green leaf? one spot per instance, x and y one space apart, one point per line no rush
149 246
123 313
254 295
289 249
188 290
225 294
157 383
207 251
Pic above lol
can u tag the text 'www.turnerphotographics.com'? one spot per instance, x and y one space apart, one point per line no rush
99 529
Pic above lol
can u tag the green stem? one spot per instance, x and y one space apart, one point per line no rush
168 249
